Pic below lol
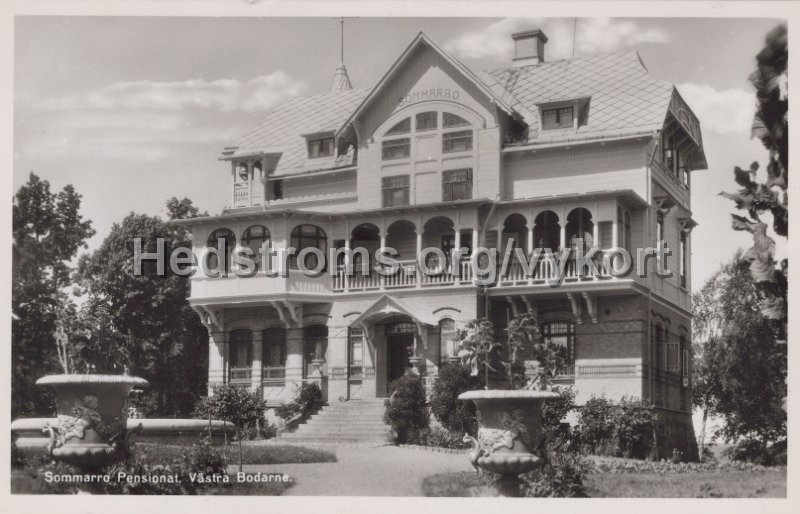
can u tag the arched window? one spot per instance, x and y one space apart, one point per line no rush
273 354
659 343
515 229
427 121
315 345
580 226
240 355
447 340
308 236
254 238
562 335
222 241
401 127
547 231
451 120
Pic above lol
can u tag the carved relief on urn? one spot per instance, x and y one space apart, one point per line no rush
92 418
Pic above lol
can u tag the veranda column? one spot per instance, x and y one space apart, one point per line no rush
562 236
419 251
346 264
217 357
294 355
337 363
381 250
455 266
258 345
615 237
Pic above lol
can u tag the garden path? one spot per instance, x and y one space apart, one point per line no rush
367 471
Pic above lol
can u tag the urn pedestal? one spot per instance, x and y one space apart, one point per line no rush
92 418
509 425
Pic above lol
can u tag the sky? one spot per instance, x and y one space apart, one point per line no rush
135 110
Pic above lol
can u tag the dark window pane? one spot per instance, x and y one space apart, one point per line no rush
396 149
403 127
451 120
426 121
460 141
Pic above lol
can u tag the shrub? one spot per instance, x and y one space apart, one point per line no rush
553 412
308 399
596 426
406 410
203 458
633 421
239 405
756 452
561 476
438 437
455 415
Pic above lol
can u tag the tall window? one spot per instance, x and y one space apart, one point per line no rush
315 344
273 355
356 355
277 190
427 121
447 340
684 359
562 334
396 191
320 147
580 226
457 185
396 149
308 236
683 258
624 221
241 354
672 355
254 239
669 151
558 118
458 141
224 239
659 227
658 343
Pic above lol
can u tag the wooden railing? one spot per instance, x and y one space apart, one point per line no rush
406 276
273 375
241 195
240 375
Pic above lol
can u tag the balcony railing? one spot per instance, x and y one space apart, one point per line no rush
240 375
406 276
241 195
273 375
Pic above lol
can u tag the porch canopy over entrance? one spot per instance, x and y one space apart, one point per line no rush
387 307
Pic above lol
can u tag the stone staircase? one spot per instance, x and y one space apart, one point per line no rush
351 422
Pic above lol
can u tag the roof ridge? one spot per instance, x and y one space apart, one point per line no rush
569 60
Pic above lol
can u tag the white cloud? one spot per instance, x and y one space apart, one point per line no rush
225 95
593 36
724 112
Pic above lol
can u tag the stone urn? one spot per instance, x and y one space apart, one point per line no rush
92 429
509 425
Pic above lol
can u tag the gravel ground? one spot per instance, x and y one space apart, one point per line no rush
367 471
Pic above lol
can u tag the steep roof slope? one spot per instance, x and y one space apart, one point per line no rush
623 98
284 128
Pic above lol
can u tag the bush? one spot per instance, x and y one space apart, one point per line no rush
204 459
406 410
309 397
553 412
634 420
437 437
455 415
596 426
756 452
561 476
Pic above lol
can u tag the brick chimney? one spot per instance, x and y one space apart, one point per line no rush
529 47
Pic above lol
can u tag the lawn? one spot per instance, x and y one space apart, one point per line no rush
252 453
724 483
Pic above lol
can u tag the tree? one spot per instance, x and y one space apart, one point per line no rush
240 406
48 231
742 372
771 126
144 320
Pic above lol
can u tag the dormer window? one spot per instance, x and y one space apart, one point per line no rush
321 147
558 118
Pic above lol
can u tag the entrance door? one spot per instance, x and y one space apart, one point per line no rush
399 347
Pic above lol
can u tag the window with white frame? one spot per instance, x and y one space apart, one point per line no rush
396 190
457 185
273 354
457 141
321 147
240 354
562 335
393 149
659 228
356 352
447 340
557 118
426 121
683 258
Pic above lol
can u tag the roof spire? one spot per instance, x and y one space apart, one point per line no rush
341 82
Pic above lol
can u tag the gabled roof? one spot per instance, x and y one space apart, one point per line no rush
622 96
502 100
284 129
